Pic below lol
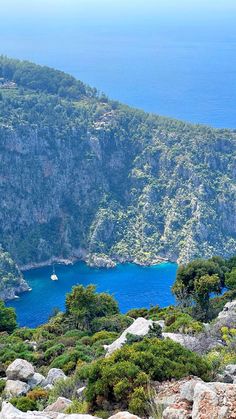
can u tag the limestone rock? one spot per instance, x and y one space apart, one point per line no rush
16 388
187 389
177 412
214 401
20 369
228 311
75 416
10 412
37 380
187 341
60 405
139 327
54 375
124 415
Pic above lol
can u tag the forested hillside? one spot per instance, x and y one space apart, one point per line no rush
81 175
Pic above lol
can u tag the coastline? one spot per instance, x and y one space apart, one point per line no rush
96 261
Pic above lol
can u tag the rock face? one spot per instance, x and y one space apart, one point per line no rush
139 327
12 282
20 369
195 399
109 179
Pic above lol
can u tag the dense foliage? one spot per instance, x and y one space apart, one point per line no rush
82 173
123 377
197 280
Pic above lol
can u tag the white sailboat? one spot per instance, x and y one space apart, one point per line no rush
54 276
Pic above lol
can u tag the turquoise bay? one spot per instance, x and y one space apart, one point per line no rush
133 286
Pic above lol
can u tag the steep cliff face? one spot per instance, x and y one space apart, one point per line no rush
84 175
11 279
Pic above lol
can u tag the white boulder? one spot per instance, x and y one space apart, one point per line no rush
124 415
139 327
20 369
16 388
54 375
37 380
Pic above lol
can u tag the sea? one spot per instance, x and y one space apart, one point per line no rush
133 286
173 58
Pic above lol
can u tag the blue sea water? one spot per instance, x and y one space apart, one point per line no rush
133 286
174 58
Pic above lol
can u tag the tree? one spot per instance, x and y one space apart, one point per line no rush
203 287
230 279
7 319
83 305
196 281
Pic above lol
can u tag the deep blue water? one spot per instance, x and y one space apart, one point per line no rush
133 286
175 58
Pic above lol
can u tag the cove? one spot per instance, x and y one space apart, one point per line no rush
133 286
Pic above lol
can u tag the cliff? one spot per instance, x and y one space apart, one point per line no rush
11 279
82 175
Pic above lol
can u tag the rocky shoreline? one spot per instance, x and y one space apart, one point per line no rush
95 260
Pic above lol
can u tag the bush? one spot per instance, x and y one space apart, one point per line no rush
120 378
116 323
37 394
23 403
183 323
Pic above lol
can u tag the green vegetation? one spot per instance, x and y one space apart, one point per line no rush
7 318
107 178
74 341
197 280
124 376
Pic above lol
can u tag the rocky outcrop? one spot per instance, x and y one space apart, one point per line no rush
20 369
214 400
100 261
139 327
195 399
12 282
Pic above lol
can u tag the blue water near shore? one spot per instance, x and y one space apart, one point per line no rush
133 286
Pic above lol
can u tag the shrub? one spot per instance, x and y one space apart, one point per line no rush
116 323
117 378
37 394
23 403
183 323
77 407
2 386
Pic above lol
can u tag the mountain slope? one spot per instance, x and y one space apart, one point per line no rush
81 175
